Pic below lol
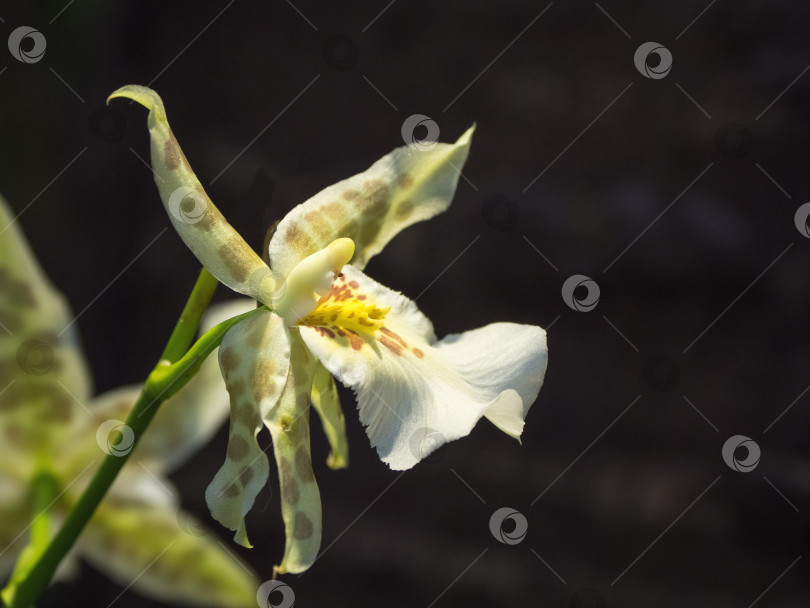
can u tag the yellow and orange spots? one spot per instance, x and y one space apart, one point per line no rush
343 308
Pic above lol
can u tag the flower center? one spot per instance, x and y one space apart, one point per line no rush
344 308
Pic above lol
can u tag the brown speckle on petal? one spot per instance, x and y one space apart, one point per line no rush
404 209
245 476
233 254
391 345
172 153
289 487
237 448
405 181
302 528
303 464
229 360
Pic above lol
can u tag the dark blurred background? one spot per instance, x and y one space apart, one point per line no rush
675 194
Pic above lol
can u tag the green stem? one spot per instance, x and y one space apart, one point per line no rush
186 328
44 492
166 379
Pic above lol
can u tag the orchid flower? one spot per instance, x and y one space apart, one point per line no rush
326 318
51 428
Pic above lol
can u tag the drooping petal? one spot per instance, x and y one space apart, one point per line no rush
43 374
144 545
326 402
404 187
300 499
414 393
199 223
254 357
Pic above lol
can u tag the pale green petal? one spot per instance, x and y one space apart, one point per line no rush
300 498
326 402
254 357
199 223
144 545
43 374
406 186
415 393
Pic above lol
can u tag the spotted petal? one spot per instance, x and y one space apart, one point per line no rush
404 187
300 499
199 223
254 357
415 393
43 375
162 552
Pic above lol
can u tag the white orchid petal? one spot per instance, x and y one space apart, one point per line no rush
288 423
255 358
197 220
408 185
414 393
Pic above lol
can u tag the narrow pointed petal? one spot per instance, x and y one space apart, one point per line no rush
143 547
326 402
43 374
199 223
255 358
416 393
406 186
300 498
